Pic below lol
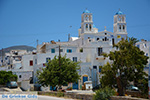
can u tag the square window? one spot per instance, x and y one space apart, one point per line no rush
48 59
19 76
52 50
138 46
35 61
75 59
69 51
94 67
100 51
61 50
100 69
31 62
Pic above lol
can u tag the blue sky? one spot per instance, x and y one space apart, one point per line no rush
22 22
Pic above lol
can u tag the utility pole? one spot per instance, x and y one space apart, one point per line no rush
2 58
37 48
59 57
69 34
59 65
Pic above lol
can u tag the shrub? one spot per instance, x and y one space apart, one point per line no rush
104 93
60 94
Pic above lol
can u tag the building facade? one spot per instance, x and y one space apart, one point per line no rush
87 48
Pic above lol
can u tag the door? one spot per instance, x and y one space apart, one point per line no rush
75 85
85 78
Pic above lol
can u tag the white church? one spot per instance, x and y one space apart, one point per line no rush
86 48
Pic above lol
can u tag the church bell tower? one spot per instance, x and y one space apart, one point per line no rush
120 29
86 22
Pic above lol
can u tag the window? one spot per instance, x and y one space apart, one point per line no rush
81 50
61 50
31 62
97 39
105 33
86 27
138 46
19 76
90 27
123 27
100 69
52 50
69 51
119 28
145 45
113 41
147 54
90 18
35 61
75 59
48 59
105 38
100 51
94 67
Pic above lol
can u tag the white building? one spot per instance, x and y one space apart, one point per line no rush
87 48
14 61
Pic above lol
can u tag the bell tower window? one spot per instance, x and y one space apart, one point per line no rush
90 19
119 28
86 17
86 27
90 27
124 28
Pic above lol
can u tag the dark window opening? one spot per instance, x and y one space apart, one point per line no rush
75 59
100 51
97 39
105 33
61 50
105 38
31 62
69 50
94 67
113 41
19 76
48 59
90 27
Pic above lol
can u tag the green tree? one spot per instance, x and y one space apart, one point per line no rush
128 64
59 72
6 77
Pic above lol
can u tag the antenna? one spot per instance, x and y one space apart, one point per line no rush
37 42
69 34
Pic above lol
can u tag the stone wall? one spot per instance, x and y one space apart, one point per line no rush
69 95
87 96
125 98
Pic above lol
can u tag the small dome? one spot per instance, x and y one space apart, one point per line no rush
94 26
86 11
119 13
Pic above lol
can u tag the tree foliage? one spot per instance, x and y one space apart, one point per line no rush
128 64
6 77
59 73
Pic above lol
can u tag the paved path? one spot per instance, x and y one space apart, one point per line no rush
39 98
51 98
